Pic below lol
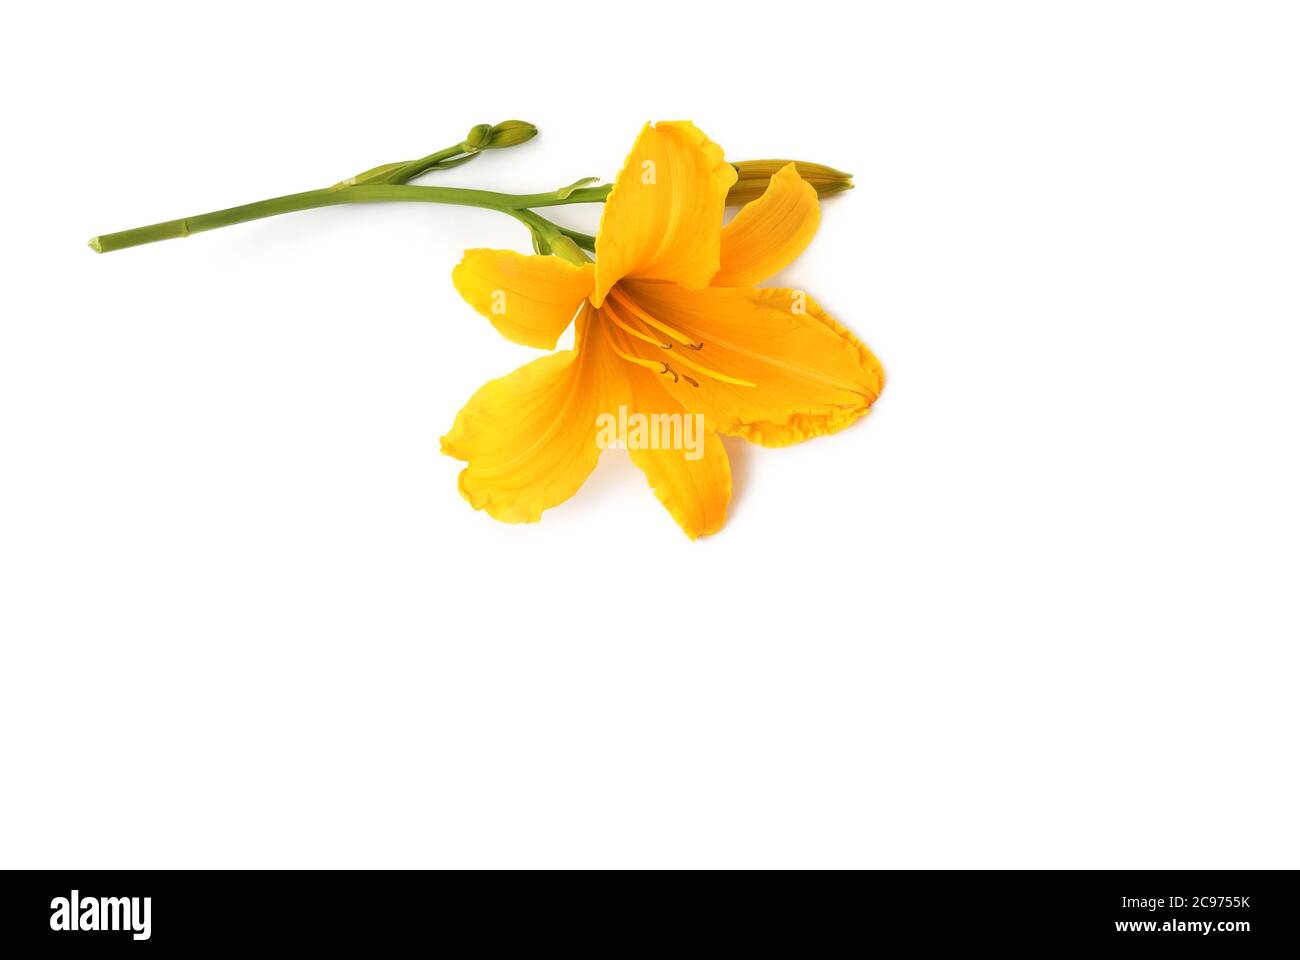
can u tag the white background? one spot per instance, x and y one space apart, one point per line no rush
1038 609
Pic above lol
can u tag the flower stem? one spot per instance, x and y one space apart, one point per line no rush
332 196
434 161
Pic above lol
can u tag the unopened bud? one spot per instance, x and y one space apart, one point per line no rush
566 249
507 133
511 133
478 136
752 177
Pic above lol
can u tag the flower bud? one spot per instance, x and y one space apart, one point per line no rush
478 137
507 133
566 249
511 133
752 177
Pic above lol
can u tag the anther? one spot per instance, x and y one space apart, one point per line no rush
661 367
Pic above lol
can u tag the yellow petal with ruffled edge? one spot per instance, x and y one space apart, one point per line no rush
694 482
769 233
663 217
529 299
529 438
811 375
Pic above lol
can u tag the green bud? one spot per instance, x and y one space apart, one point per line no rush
507 133
752 177
478 137
566 249
511 133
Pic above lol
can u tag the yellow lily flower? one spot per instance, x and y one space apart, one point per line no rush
668 321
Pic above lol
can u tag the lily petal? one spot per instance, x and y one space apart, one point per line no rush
663 217
769 233
695 491
530 437
529 299
811 376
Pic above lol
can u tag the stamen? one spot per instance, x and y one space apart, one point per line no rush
628 328
666 371
714 374
628 303
658 366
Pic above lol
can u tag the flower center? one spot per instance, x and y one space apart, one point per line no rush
630 318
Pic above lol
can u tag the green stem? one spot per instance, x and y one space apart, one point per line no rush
452 156
330 196
584 240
